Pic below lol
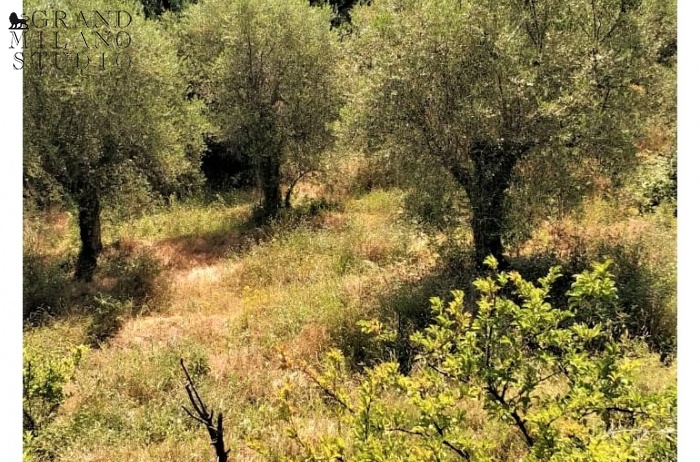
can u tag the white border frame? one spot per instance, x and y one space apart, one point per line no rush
11 247
688 241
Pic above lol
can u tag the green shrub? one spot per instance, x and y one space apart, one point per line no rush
644 262
316 206
107 318
647 294
528 365
139 280
44 378
437 204
374 173
655 183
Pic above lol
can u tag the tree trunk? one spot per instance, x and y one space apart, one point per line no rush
270 182
90 233
268 150
493 166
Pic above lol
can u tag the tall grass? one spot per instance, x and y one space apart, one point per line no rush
233 296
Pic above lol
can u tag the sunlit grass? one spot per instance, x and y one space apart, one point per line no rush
293 286
236 297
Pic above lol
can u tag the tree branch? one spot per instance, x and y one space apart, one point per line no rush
461 452
519 421
326 390
206 417
288 194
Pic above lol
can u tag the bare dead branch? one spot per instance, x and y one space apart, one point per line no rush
206 417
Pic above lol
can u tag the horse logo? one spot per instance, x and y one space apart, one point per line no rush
17 23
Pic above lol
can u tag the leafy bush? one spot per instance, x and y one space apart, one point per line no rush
529 366
372 173
138 279
107 318
655 183
643 251
44 378
436 204
647 294
155 8
138 288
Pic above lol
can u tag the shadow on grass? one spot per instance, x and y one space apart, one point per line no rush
128 282
646 295
643 309
405 308
135 278
237 237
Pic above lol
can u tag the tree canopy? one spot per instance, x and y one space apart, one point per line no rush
266 70
102 134
487 92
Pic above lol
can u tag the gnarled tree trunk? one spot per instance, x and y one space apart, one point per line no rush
486 184
268 153
90 233
270 178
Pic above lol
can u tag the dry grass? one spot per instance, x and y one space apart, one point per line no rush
235 297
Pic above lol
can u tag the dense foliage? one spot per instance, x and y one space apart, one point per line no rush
269 82
155 8
489 93
44 378
257 176
564 386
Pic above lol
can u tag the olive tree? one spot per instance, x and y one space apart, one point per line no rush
486 92
100 132
266 70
